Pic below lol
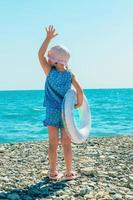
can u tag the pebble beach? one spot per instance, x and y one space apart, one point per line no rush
104 165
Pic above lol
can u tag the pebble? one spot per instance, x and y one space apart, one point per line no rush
26 197
117 197
89 196
4 179
2 149
104 167
129 197
88 171
13 196
112 174
84 190
65 197
2 195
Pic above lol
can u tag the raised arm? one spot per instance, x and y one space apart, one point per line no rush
78 90
41 53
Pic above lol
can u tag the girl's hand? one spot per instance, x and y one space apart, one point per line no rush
79 100
51 32
77 105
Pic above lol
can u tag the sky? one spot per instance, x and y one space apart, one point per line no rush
98 34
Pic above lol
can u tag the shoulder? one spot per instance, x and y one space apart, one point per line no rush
71 73
73 76
52 70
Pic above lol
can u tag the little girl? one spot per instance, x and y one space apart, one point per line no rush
58 82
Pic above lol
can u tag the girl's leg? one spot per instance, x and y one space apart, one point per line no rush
52 149
67 149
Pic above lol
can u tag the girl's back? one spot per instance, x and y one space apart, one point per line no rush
57 84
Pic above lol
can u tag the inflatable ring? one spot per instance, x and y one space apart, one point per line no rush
77 135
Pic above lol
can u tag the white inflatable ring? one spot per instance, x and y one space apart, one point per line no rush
77 135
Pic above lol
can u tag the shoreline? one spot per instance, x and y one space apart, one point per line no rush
104 165
46 139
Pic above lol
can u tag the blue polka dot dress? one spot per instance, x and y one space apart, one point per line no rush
56 85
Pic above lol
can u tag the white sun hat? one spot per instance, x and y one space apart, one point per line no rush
59 54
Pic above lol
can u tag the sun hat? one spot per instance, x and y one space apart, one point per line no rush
59 54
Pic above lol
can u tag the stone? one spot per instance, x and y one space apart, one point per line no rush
106 196
122 192
45 193
4 199
72 182
27 197
13 196
112 192
113 174
44 172
34 192
100 194
117 197
2 149
130 185
83 191
25 166
89 196
60 193
88 171
5 179
130 178
94 179
102 157
58 186
65 197
128 197
3 195
130 193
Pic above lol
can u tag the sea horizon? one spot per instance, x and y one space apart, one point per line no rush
114 88
22 113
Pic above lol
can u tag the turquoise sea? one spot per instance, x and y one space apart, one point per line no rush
22 113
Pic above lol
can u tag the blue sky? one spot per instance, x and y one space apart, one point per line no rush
98 34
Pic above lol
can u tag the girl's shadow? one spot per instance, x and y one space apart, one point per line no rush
42 189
